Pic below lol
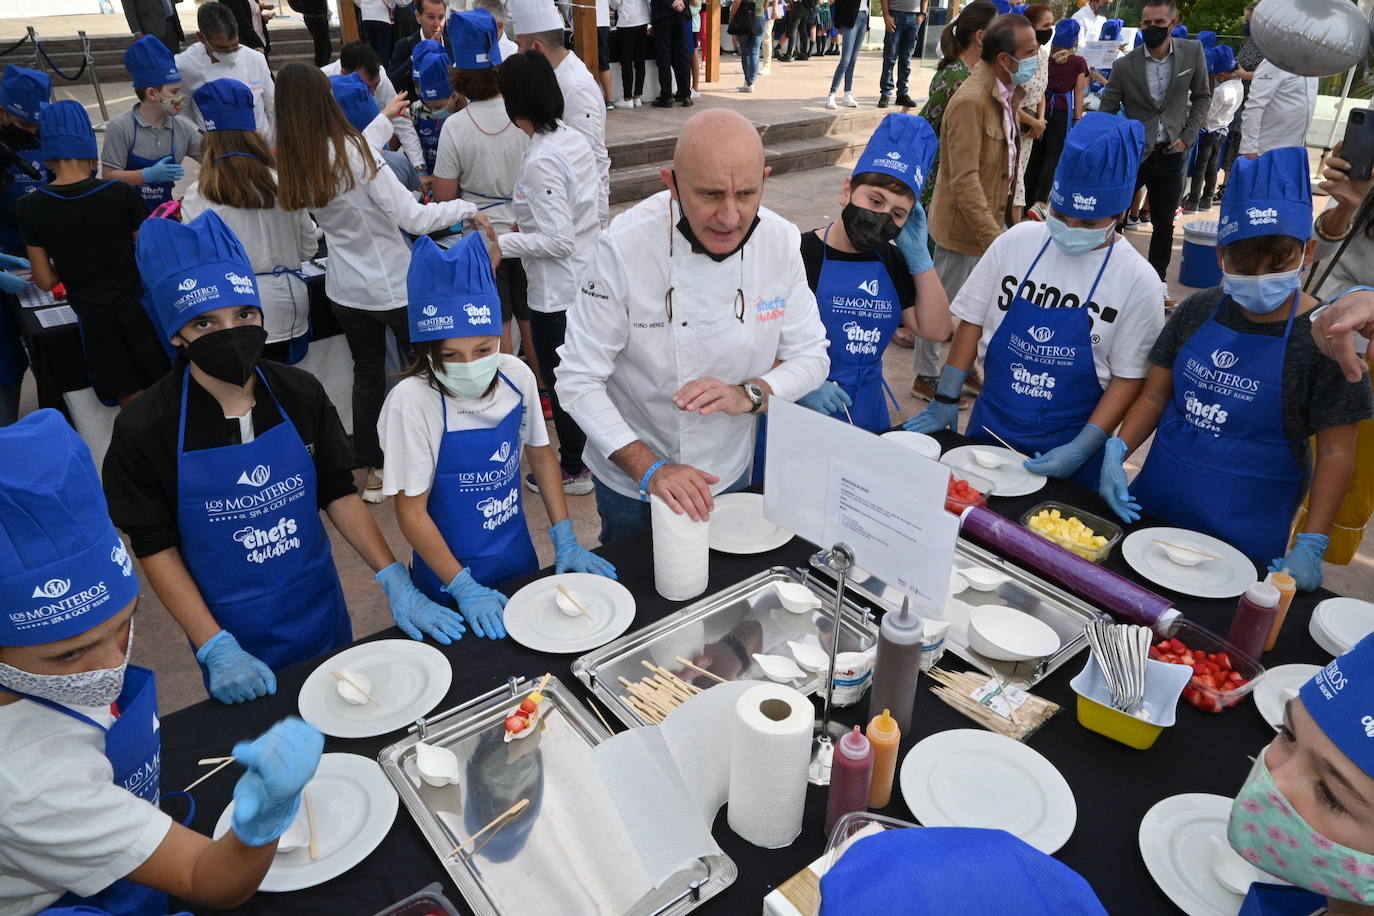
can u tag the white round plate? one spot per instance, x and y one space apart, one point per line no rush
1272 693
968 777
1225 578
408 680
1338 623
1176 844
534 620
1007 479
354 806
920 443
738 525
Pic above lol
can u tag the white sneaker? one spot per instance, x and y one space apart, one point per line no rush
745 87
850 101
372 489
830 101
764 71
695 94
627 103
637 102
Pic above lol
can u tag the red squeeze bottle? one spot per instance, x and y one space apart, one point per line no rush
851 773
1255 614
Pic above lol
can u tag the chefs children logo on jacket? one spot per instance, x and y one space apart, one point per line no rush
268 544
496 512
269 496
769 309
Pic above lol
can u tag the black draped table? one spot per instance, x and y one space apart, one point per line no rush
1113 785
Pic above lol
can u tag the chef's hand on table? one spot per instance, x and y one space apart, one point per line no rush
9 283
1112 481
940 415
235 676
1063 460
483 608
912 243
1335 328
570 556
163 170
1304 561
828 399
280 764
414 613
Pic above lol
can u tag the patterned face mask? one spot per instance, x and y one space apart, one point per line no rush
1270 834
85 688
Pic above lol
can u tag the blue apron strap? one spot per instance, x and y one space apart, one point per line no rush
1102 269
58 707
1030 270
890 396
277 271
98 187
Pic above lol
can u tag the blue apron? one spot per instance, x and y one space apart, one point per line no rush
1220 462
19 185
1040 382
1052 97
476 505
252 538
154 194
1278 900
427 128
859 307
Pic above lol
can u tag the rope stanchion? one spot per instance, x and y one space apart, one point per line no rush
88 64
14 47
71 79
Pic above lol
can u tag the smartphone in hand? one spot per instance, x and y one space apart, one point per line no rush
1358 147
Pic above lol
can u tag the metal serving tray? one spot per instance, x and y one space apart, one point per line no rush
1063 612
721 633
568 851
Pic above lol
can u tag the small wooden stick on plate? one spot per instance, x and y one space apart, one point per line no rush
349 681
700 670
575 603
223 763
310 822
1201 553
1005 444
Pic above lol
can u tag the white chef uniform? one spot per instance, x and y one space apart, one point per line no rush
584 110
403 126
249 67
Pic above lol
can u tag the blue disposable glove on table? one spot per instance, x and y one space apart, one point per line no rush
482 607
939 415
280 764
570 556
1063 460
1112 482
414 613
163 170
827 399
1304 561
9 283
235 676
912 242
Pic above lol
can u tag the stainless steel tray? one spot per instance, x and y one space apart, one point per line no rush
568 852
1065 613
721 633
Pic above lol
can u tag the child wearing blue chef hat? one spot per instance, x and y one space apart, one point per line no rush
79 231
430 76
1237 386
1065 85
1227 96
23 94
1061 317
145 145
223 434
79 734
465 411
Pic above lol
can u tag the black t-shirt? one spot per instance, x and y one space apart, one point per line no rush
140 472
89 234
811 251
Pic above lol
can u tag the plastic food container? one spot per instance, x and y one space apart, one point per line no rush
958 504
853 827
1099 525
1163 685
428 901
1215 700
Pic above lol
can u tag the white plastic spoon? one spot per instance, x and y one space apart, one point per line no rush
984 580
812 658
779 667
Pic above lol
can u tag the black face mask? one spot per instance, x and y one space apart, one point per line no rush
1154 35
1043 36
229 355
868 230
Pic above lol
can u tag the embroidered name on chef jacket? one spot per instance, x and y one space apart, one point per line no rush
769 309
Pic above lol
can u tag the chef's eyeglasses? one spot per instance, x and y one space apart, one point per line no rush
668 296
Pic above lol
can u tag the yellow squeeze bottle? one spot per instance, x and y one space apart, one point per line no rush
884 735
1288 587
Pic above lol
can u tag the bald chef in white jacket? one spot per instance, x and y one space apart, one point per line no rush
694 311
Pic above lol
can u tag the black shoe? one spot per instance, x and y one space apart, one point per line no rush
686 103
1189 205
883 101
1145 219
905 101
662 103
785 58
833 52
803 57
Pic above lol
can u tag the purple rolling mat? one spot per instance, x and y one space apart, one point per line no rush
1120 597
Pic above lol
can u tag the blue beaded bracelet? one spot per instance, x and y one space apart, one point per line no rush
644 481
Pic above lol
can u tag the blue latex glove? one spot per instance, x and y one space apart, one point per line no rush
482 607
163 170
235 676
281 762
827 399
570 556
11 284
1063 460
940 416
912 243
414 613
13 262
1304 561
1112 482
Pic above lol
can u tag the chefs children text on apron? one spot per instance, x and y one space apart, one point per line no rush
155 193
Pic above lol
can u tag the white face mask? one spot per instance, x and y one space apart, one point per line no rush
85 688
226 57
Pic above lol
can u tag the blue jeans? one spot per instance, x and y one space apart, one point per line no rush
405 172
898 45
624 517
749 56
851 40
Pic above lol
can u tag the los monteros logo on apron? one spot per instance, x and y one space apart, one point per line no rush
267 496
1218 378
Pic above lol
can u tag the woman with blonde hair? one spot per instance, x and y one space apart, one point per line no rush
1067 83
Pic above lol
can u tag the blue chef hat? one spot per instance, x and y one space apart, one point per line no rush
904 147
356 100
431 76
1097 169
422 50
1179 31
1066 33
192 268
24 92
1340 698
452 293
1208 39
1221 59
1020 8
1271 195
65 131
1111 30
63 569
150 63
474 39
226 104
1003 6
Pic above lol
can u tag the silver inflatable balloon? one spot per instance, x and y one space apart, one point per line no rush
1311 37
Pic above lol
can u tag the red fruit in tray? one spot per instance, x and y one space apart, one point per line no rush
516 724
528 706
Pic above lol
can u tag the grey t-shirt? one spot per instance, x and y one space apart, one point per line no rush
129 132
903 6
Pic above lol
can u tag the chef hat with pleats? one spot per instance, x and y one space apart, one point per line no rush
1066 33
904 147
432 78
150 63
65 131
63 568
1208 39
1268 195
226 104
1003 6
1179 31
1097 169
356 100
474 38
423 50
1340 699
1111 30
193 268
452 293
24 92
1221 59
530 17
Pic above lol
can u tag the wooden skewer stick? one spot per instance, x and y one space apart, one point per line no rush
700 670
209 761
1005 444
544 682
575 603
677 693
1201 553
648 696
602 718
223 764
349 681
506 815
672 678
310 822
640 708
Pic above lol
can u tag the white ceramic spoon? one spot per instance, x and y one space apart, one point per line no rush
567 606
989 459
437 766
779 667
796 598
1183 556
812 658
984 580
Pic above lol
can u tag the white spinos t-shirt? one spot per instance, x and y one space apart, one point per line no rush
1127 310
411 424
64 824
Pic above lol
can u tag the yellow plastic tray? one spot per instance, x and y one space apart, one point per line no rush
1117 725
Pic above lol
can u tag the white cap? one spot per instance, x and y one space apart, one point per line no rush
529 17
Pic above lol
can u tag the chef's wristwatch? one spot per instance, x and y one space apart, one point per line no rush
755 393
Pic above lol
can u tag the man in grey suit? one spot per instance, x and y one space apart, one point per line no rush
1164 85
157 18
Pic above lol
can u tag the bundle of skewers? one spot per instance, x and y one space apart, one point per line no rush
659 692
976 695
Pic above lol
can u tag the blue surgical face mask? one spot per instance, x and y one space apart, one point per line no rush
468 380
1264 293
1075 242
1025 70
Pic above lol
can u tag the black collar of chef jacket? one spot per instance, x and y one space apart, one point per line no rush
686 229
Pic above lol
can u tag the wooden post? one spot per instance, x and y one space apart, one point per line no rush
348 22
584 33
710 40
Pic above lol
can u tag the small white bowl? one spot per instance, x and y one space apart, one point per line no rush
297 836
796 598
1008 635
437 766
567 606
1181 557
351 694
988 459
779 668
981 579
1231 871
812 658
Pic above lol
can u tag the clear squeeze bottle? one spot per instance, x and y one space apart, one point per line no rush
896 667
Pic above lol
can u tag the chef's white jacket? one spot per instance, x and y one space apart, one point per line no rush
1089 25
403 127
249 67
584 110
1278 110
555 216
624 357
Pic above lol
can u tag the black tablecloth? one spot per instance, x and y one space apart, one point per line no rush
1114 786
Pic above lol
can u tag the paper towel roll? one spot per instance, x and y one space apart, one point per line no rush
768 760
681 552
